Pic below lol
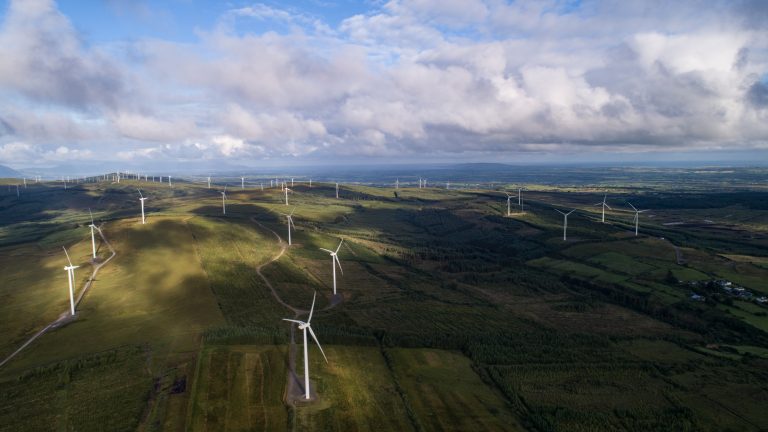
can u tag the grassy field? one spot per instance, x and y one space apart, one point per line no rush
239 388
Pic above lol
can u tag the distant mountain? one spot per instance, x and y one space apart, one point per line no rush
6 172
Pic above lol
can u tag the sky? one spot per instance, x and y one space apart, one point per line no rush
349 82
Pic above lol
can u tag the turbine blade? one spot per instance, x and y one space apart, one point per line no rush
570 212
140 195
294 321
91 213
336 258
311 332
609 207
67 253
294 209
560 212
342 241
329 251
312 309
633 207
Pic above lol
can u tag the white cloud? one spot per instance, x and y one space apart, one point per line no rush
412 76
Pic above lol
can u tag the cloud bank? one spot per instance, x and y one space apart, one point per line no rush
410 78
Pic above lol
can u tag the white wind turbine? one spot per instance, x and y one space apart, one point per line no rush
209 182
565 222
286 194
397 183
604 204
304 326
71 276
224 200
509 198
637 217
334 262
141 198
290 224
242 182
169 182
93 234
337 190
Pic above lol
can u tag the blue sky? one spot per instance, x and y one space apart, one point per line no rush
337 81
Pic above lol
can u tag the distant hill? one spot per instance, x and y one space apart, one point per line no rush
6 172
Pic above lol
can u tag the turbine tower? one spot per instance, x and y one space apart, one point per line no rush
304 326
141 198
565 222
637 217
334 262
604 204
290 224
242 182
509 198
286 194
224 200
209 182
71 276
169 182
93 235
337 190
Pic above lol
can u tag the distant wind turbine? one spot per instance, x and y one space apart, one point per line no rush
509 198
169 182
242 182
71 276
334 262
209 182
604 204
224 200
290 224
93 234
286 194
141 198
304 326
337 190
565 222
637 217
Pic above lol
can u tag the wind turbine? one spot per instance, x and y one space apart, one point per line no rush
337 190
334 262
290 223
224 200
286 194
71 276
291 181
509 198
242 182
141 198
637 217
520 199
304 326
169 182
93 234
397 183
310 183
565 222
604 204
209 182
